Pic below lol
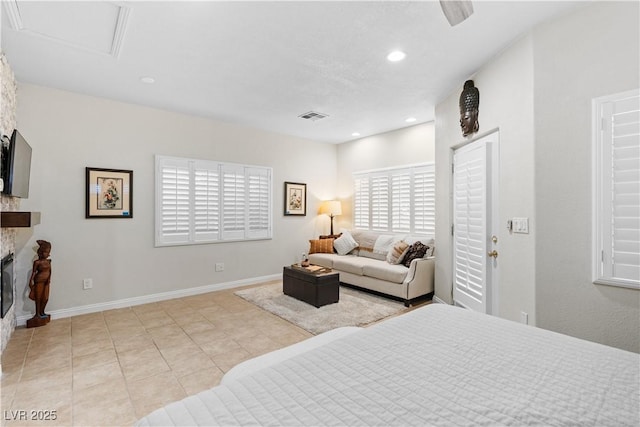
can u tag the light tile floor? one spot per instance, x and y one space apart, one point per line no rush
113 367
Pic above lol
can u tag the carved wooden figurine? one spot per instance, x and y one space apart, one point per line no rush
469 103
39 285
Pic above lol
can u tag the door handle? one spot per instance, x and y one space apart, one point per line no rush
493 254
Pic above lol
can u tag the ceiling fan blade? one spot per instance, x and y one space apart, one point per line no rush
456 11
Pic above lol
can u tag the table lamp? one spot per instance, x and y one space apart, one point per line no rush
331 208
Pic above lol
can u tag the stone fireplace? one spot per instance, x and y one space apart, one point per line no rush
8 89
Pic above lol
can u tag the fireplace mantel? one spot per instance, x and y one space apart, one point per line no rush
19 219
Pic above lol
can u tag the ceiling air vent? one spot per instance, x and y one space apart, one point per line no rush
313 116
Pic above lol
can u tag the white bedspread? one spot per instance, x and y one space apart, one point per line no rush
437 365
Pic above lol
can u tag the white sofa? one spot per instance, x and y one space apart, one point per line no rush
368 268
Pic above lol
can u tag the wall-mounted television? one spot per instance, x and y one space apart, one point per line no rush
16 166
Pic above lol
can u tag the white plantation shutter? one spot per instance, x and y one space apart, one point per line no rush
259 187
424 200
233 202
207 202
380 202
469 222
199 201
617 188
361 202
173 208
399 200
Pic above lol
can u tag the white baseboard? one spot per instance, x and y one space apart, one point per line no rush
438 300
129 302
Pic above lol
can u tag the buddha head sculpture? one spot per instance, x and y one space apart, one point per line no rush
469 102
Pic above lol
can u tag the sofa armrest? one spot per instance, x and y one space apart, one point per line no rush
420 277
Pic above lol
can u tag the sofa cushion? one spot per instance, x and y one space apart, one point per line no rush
345 243
353 264
397 251
385 271
323 259
373 255
417 250
321 246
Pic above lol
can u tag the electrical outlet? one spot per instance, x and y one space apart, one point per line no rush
524 318
87 283
219 266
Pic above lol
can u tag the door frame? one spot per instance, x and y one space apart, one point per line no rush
493 190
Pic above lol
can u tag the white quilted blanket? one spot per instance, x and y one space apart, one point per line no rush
437 365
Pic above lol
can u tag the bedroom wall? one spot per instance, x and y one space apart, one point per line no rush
591 53
506 104
538 93
407 146
70 131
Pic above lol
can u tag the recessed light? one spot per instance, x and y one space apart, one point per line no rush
355 134
148 80
411 120
396 56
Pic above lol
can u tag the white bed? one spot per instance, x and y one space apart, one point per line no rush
437 365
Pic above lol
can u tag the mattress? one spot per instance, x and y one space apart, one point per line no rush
436 365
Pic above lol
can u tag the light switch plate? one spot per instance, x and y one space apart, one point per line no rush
521 225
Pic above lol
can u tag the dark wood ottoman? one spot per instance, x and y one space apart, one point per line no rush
317 289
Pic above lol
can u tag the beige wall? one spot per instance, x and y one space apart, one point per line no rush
538 94
506 104
408 146
69 132
591 53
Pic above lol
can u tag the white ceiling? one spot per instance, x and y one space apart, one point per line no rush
262 64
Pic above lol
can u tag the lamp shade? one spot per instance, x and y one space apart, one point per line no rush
331 208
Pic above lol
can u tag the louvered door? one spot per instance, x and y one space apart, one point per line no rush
474 273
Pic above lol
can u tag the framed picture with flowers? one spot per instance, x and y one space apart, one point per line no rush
109 193
295 198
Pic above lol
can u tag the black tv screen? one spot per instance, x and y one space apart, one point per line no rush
17 167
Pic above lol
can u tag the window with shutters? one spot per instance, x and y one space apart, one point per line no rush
616 188
399 200
201 201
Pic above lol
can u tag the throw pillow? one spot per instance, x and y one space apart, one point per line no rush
397 251
345 244
417 250
365 239
430 251
321 246
383 244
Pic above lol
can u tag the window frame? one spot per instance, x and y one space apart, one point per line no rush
602 203
380 218
249 227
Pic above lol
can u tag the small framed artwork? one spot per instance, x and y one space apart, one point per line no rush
109 193
295 198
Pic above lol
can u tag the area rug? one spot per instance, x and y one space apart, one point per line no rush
355 308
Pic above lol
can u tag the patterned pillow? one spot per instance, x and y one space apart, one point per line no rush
397 251
321 246
417 250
